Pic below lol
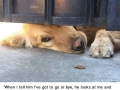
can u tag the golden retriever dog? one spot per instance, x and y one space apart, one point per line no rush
65 38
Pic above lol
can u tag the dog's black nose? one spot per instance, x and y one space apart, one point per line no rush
78 44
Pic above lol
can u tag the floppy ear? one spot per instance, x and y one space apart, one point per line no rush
18 39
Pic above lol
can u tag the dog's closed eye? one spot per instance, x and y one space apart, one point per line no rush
46 39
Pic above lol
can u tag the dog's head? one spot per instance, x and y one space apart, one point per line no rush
60 38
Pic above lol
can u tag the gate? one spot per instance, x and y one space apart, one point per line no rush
1 11
100 13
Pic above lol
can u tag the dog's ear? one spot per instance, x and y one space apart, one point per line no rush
16 40
13 40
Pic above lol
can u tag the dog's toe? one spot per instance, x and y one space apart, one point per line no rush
101 50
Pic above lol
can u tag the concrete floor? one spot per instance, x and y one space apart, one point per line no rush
42 65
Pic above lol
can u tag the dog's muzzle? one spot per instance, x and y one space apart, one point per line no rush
78 44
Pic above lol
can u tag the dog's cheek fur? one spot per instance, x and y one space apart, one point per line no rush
62 37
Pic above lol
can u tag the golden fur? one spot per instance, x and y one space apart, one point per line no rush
103 43
31 35
61 38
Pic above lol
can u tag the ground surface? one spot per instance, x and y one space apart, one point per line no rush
42 65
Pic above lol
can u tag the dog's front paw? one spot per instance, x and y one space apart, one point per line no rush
28 45
101 49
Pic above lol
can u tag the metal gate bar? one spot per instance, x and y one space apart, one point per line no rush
113 15
6 10
48 11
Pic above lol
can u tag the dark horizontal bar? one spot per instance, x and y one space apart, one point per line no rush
23 18
69 20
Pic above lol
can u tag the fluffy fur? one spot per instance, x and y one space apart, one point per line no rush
53 37
102 43
61 38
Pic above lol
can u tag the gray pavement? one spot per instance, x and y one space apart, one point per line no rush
42 65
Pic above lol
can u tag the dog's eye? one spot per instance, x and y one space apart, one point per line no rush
46 39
